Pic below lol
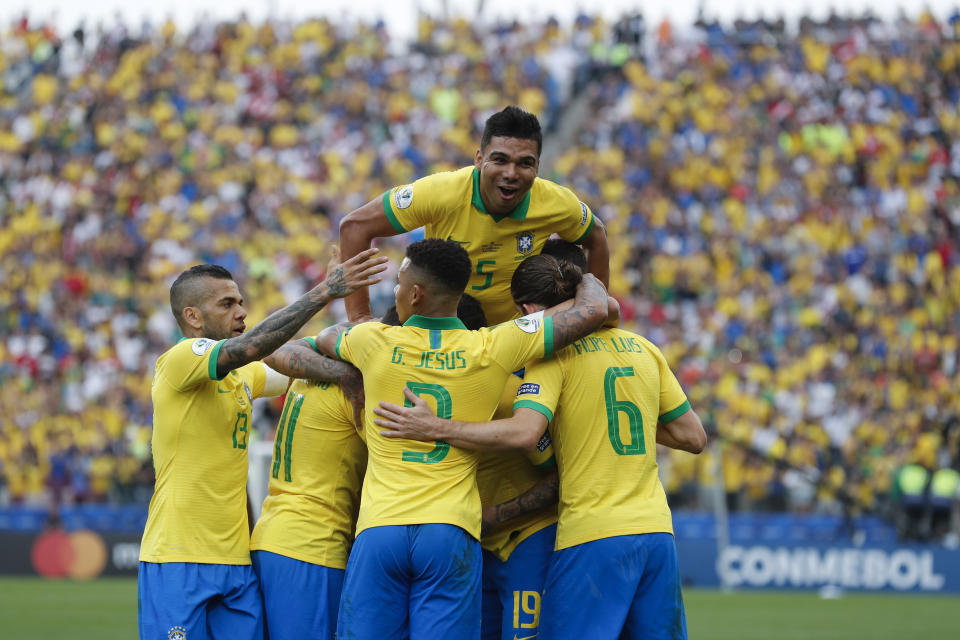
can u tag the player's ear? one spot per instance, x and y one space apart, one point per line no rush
193 318
527 308
478 159
416 294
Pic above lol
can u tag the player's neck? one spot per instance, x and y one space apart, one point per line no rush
437 310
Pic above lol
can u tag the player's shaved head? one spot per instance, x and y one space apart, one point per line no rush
441 265
188 289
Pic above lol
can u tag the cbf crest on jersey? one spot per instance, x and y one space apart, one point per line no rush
177 633
525 242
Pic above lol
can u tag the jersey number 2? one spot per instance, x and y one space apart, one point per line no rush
444 410
615 407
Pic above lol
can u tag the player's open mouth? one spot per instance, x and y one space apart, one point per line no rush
507 193
239 330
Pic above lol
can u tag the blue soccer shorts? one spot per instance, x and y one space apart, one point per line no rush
412 581
192 601
300 599
512 590
619 587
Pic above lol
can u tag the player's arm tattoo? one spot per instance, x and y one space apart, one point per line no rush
341 280
540 496
587 313
267 336
297 359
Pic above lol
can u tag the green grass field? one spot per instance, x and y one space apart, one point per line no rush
106 609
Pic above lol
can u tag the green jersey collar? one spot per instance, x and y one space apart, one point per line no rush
434 323
519 213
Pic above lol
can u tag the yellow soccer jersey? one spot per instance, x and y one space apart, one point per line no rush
318 464
198 512
504 476
603 396
449 206
454 370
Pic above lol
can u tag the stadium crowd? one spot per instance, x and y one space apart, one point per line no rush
783 211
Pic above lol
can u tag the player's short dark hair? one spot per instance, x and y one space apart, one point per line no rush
445 262
512 122
563 250
543 279
468 310
186 291
471 313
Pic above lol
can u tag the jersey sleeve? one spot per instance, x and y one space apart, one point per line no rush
414 205
578 221
673 401
542 456
516 342
540 389
357 342
255 375
191 362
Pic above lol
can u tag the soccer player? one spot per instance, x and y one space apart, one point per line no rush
415 566
301 541
498 210
300 544
607 398
195 579
519 494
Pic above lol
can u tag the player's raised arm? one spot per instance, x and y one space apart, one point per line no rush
357 231
598 252
342 280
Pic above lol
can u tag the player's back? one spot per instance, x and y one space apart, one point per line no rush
315 477
460 374
613 388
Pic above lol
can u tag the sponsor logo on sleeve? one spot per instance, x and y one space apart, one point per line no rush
528 388
544 442
202 345
583 218
403 197
246 388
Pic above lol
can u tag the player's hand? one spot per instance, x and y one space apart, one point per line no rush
417 422
359 271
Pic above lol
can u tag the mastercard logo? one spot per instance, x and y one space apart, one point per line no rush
80 555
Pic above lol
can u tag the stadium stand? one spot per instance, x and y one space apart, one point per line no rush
783 208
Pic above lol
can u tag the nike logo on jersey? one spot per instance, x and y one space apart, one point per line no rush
524 637
219 390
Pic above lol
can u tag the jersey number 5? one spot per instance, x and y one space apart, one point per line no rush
444 410
615 408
